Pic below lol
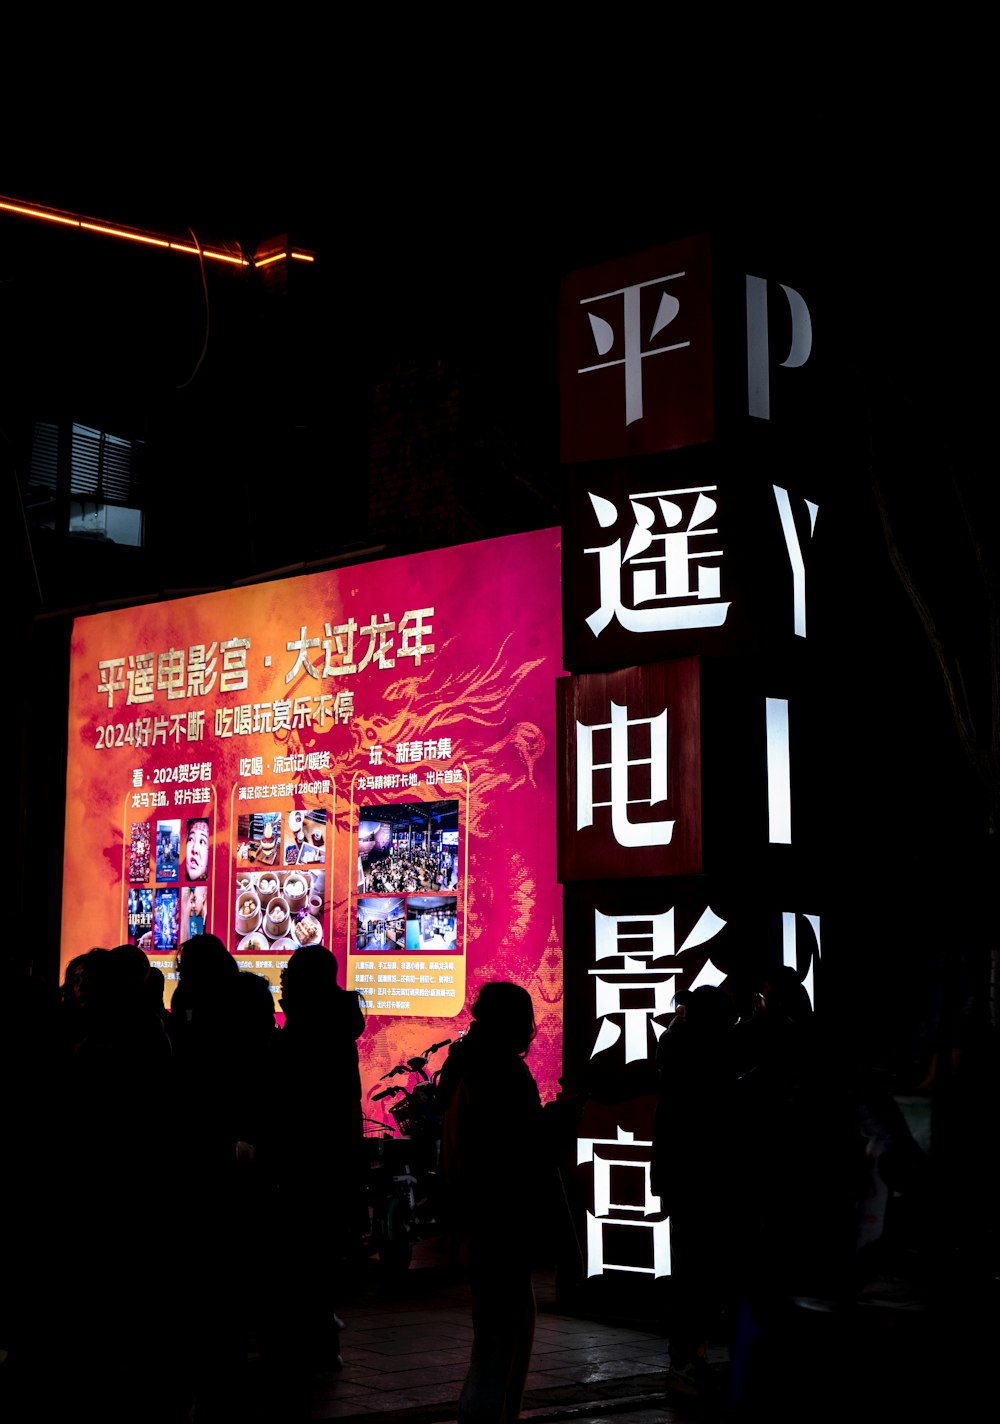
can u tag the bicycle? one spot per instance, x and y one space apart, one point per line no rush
403 1179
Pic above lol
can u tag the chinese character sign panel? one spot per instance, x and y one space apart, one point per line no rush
631 752
665 558
635 947
636 372
363 758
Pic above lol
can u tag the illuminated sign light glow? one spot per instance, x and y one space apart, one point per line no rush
236 258
604 337
758 343
626 1153
790 948
779 791
620 763
278 765
795 554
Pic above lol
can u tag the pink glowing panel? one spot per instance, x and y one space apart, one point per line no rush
363 758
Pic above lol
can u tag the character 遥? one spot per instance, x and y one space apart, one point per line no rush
673 585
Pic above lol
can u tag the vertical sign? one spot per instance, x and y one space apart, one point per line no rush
636 367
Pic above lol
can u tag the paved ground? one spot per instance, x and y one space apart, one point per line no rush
894 1355
889 1355
409 1354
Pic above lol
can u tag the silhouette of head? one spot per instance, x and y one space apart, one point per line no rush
709 1009
785 995
505 1012
205 964
309 979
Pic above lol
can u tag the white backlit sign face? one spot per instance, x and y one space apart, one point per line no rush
795 555
620 765
779 787
791 948
641 944
673 584
759 346
640 961
679 571
623 307
684 568
622 1158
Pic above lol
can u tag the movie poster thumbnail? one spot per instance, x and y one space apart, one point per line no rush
258 838
197 844
381 924
305 837
408 849
138 853
140 916
278 911
432 924
168 850
166 920
193 911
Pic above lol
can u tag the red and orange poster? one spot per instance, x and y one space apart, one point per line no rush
362 758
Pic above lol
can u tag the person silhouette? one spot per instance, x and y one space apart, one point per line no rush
501 1191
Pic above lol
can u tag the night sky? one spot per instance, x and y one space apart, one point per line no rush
448 186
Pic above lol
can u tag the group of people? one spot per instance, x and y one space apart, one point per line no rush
213 1167
410 871
756 1156
207 1168
758 1159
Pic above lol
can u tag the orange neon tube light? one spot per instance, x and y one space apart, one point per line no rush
236 257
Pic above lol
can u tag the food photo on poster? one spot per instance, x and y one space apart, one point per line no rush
361 758
276 911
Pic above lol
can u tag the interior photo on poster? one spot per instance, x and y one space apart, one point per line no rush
408 848
432 924
381 923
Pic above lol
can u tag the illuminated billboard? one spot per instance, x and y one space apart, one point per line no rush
362 758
